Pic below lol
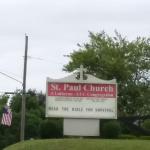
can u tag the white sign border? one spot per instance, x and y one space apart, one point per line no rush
72 79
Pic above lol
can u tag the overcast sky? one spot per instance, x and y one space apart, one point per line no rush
54 28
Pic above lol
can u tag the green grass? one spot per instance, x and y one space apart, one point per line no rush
81 144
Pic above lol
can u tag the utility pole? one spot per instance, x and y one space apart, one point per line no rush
23 109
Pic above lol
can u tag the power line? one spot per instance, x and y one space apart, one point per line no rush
45 60
10 77
11 73
38 58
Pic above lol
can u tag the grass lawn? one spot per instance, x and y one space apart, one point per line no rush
81 144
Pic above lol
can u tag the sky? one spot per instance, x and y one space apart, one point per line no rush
54 28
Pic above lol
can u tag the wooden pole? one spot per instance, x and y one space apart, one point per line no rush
23 110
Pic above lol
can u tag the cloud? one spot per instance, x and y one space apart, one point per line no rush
55 27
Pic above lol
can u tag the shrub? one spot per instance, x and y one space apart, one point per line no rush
51 129
127 136
111 129
146 124
145 137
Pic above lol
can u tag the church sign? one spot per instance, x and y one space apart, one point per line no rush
81 100
73 98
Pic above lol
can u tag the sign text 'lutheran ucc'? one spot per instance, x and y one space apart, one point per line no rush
81 100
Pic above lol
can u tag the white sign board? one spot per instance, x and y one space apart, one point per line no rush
72 98
81 127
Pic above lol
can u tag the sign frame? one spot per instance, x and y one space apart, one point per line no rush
90 80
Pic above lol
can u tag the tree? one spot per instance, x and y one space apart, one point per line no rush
127 61
34 117
34 112
3 101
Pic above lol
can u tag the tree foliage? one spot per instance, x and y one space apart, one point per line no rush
34 116
127 61
36 125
